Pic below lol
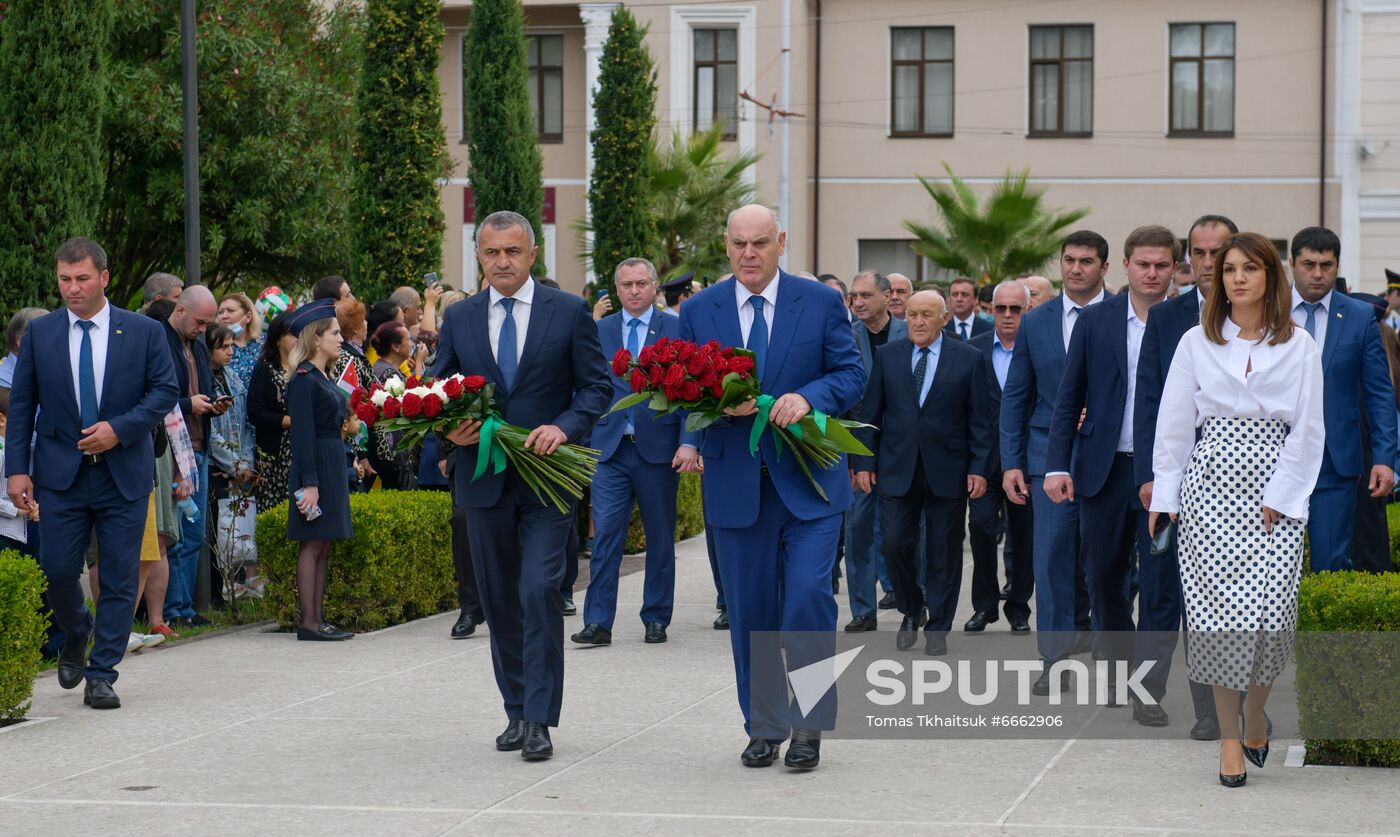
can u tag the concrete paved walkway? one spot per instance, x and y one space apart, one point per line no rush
391 733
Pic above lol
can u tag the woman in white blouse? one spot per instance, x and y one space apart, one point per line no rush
1252 382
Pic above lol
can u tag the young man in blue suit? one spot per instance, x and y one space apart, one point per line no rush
1098 383
963 322
1353 361
775 537
539 346
928 402
1027 404
91 384
640 456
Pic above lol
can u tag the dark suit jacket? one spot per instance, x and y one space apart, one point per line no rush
138 389
562 378
1353 361
984 343
951 432
657 436
1032 384
1095 381
898 331
979 326
202 365
1169 322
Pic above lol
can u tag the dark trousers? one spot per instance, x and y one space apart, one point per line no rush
93 501
517 550
1370 540
467 596
988 515
943 538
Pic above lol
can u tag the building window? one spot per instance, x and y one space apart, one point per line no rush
894 255
715 89
546 57
921 82
1203 79
1062 81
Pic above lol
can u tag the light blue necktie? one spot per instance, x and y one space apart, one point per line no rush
505 345
758 335
1310 321
87 380
634 348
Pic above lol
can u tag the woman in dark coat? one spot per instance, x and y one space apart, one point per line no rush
267 412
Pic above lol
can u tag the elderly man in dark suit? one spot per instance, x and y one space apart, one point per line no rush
932 441
91 384
540 348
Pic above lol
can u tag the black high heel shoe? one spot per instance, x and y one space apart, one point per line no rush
1256 755
1235 780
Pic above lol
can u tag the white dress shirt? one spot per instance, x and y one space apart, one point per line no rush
99 335
969 322
496 315
1071 313
1300 315
1208 380
770 301
1136 329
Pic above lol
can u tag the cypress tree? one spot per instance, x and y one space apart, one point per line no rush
504 163
619 195
398 211
53 80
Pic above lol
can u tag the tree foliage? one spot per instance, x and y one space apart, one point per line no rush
53 79
402 151
695 185
619 196
1009 234
276 83
504 164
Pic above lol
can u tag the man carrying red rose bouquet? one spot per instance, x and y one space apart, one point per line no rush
539 347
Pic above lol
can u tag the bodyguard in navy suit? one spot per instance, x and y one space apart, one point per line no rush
776 537
539 346
639 454
1169 322
1112 519
932 444
1027 404
1353 367
92 382
963 322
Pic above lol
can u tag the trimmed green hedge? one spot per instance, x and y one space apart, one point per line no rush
397 567
22 630
690 518
1346 602
1392 516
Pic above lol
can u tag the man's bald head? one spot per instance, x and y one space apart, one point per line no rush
754 241
926 314
194 311
900 289
1040 288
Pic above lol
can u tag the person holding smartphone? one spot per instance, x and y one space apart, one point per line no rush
231 444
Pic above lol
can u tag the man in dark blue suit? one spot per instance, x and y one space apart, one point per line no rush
1169 322
1027 404
1353 361
775 537
991 513
639 458
539 346
932 445
92 382
1095 406
963 322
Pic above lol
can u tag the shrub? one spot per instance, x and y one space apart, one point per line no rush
1348 602
1392 516
396 567
22 629
690 518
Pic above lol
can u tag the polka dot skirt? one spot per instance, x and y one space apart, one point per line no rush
1239 583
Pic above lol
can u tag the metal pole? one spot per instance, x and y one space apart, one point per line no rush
189 84
784 185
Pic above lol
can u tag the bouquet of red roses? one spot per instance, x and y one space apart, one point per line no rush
419 406
705 380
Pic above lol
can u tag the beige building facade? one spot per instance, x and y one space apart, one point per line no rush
1142 111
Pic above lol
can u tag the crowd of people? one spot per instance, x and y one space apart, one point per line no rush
1020 416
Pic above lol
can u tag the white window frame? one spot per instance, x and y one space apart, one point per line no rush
686 19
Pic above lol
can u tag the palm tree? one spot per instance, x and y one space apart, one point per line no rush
1009 234
695 185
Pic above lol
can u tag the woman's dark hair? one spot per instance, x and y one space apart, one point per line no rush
216 334
380 313
276 330
161 310
1278 292
387 336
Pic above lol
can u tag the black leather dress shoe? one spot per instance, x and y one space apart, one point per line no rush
656 632
72 661
1020 626
1206 729
323 633
979 622
1149 715
537 746
908 632
1005 591
805 751
721 622
570 608
862 623
465 626
99 694
593 635
760 753
886 602
512 738
1041 686
935 644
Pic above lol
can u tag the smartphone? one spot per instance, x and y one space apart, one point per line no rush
602 293
224 399
1162 536
430 279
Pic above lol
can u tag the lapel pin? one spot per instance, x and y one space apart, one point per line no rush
1339 315
119 331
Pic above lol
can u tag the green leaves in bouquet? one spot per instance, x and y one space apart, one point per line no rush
630 401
